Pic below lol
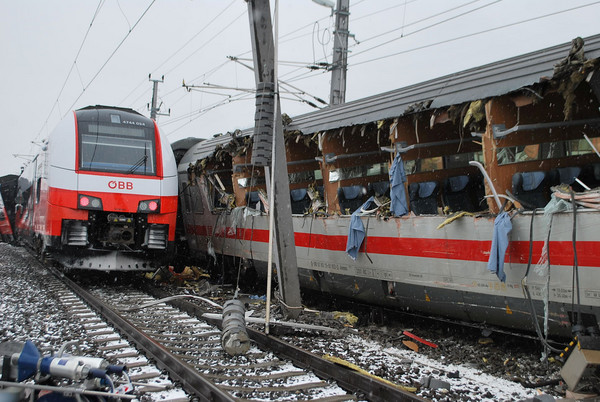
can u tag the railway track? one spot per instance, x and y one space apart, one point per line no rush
186 348
37 306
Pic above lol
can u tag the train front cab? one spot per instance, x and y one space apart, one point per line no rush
126 186
101 194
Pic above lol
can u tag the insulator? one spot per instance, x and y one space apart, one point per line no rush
234 338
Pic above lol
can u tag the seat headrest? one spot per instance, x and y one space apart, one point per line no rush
253 197
380 187
567 175
351 192
298 194
458 183
532 180
427 188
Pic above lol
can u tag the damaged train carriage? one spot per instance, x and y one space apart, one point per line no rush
390 206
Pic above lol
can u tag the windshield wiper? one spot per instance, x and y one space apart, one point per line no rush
140 162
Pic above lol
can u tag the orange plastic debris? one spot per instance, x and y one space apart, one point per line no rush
411 345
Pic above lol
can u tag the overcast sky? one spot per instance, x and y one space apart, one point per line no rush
61 55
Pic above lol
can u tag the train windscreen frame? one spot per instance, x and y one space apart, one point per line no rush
114 141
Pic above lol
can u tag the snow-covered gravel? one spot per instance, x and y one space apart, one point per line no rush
29 309
474 368
33 307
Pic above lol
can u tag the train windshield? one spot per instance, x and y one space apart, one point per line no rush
115 141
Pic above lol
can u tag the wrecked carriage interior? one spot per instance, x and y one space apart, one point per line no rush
528 138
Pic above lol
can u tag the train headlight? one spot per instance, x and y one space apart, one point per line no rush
149 206
89 202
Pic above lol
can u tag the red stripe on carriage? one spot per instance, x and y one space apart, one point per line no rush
561 252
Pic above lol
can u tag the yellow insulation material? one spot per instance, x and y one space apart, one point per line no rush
453 218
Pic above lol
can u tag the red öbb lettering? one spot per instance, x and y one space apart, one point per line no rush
121 185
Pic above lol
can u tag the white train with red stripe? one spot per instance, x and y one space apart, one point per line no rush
102 193
508 116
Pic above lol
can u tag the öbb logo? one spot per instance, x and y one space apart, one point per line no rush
121 185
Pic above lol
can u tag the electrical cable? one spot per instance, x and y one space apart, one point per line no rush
525 287
470 35
402 27
425 28
180 49
421 20
225 28
193 53
200 113
233 98
575 288
100 4
283 62
382 10
110 56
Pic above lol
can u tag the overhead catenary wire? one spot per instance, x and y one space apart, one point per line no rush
281 41
286 84
291 63
426 27
73 66
167 59
198 113
308 74
404 26
222 103
470 35
305 74
226 27
110 56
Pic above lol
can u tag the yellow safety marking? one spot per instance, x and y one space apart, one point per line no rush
354 367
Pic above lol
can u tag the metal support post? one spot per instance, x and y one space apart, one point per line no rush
264 53
337 94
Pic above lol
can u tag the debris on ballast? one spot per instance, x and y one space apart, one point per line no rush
423 341
354 367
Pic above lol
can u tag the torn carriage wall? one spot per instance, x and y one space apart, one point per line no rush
458 97
482 82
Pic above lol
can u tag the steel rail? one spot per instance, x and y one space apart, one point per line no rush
350 380
192 381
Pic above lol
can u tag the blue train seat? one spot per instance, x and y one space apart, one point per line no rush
457 193
379 188
531 188
350 198
253 201
300 200
423 197
567 175
590 175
